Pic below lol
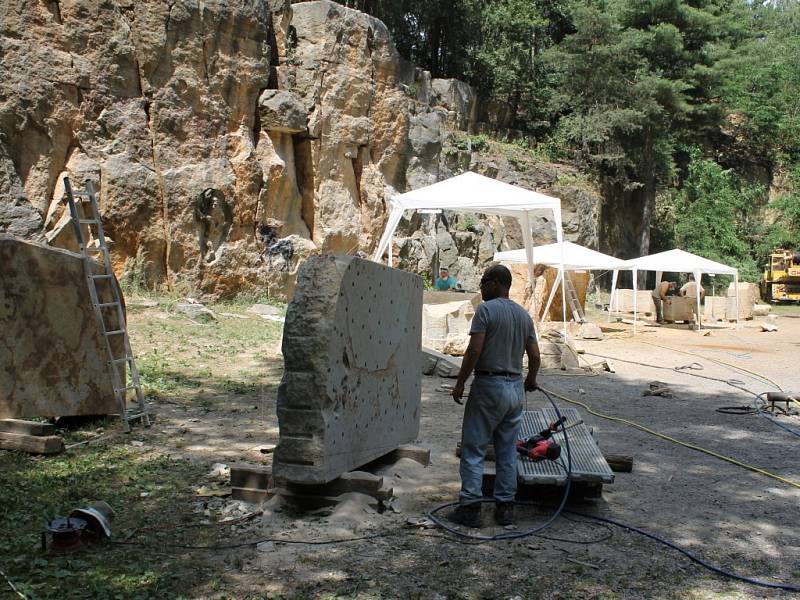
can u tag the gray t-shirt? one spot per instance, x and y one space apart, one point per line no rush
508 328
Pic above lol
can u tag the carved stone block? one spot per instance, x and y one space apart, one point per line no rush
352 350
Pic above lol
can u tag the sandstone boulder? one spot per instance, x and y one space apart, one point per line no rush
446 319
53 360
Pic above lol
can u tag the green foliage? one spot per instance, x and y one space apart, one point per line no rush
134 274
711 216
622 87
784 230
35 492
465 222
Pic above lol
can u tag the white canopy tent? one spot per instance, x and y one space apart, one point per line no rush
471 192
677 261
574 257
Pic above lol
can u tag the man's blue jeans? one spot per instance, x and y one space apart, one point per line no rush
493 414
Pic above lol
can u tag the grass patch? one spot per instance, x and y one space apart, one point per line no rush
35 490
178 358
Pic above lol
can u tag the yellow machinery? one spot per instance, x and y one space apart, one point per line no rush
781 280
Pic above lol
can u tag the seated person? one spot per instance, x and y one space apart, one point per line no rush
444 282
691 287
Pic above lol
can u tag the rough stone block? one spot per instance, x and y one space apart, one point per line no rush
680 309
352 380
53 360
446 319
746 303
714 308
441 365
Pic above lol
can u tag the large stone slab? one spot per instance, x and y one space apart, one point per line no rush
714 308
351 387
52 356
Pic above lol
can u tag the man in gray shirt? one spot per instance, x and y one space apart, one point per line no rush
501 332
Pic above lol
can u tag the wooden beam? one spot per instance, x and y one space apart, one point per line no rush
35 444
26 427
619 463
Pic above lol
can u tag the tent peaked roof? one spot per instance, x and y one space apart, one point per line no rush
679 261
576 257
471 191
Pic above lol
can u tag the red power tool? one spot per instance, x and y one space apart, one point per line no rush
541 447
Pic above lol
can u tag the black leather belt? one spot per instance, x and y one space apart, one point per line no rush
496 374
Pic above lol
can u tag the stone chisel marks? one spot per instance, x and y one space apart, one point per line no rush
352 350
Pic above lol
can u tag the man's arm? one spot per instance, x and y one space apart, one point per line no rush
468 363
534 361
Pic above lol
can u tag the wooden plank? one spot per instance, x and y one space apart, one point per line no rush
620 463
417 453
354 481
26 427
251 495
246 475
35 444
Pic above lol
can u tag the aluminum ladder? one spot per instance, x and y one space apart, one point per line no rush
572 301
77 201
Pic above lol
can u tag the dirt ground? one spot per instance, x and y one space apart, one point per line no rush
740 520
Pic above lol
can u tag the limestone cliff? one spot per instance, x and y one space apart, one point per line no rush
231 140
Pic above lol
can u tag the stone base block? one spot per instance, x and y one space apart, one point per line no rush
246 475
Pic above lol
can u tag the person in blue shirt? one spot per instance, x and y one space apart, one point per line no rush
444 282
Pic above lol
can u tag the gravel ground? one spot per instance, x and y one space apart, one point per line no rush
740 520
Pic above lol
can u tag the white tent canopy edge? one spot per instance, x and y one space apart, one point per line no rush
471 192
677 261
575 258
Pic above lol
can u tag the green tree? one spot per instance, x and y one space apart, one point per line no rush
712 216
760 87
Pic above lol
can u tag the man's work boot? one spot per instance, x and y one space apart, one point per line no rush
468 515
504 513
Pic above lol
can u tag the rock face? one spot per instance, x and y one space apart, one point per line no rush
52 357
351 386
230 141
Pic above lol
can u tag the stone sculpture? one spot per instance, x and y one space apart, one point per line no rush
351 386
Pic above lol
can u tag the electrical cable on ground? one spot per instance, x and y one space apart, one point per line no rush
663 436
716 360
720 571
735 383
259 541
12 586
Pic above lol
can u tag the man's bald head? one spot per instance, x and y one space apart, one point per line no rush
495 283
500 274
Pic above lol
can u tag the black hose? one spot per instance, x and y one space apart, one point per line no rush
790 587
